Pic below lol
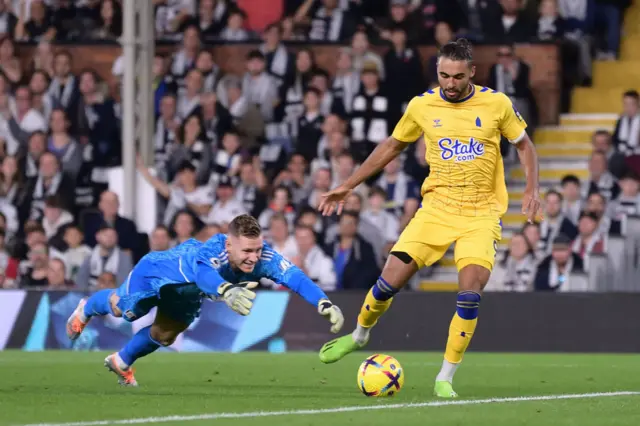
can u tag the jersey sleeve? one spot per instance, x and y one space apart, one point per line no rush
512 125
207 266
281 271
407 129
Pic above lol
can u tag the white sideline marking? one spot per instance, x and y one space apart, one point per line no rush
254 414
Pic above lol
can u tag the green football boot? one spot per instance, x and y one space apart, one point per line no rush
444 389
337 349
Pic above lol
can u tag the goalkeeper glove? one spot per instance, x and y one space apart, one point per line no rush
333 313
238 297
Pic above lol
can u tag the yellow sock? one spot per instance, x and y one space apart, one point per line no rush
462 326
376 303
460 333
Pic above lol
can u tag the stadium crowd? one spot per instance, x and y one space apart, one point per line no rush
269 142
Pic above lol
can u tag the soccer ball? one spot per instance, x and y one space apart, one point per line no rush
380 375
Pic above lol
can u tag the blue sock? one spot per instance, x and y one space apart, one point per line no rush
98 303
142 344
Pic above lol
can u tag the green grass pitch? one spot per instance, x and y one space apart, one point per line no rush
68 387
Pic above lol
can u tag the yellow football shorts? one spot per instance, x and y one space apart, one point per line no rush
429 234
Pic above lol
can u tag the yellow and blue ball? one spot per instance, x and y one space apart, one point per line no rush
380 375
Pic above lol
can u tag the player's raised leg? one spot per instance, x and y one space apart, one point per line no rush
399 268
178 306
100 303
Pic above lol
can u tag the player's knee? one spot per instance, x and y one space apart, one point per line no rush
163 337
113 301
474 276
468 304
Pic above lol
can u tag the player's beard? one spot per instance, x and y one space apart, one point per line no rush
456 94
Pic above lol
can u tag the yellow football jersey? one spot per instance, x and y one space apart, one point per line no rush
463 148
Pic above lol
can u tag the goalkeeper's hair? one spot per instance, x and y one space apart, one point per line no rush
459 50
245 226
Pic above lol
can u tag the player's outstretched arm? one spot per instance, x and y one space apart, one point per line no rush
529 160
379 158
284 272
238 297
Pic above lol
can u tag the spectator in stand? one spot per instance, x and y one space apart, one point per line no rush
51 181
554 222
328 103
8 265
209 70
511 76
295 179
321 185
14 189
601 141
291 92
171 15
346 80
361 55
572 200
235 28
555 271
597 204
329 22
21 123
280 203
405 61
43 58
9 62
386 223
344 168
608 14
279 62
532 232
163 82
217 121
110 21
310 217
280 238
212 15
333 142
63 146
403 193
310 125
371 113
590 240
354 259
258 86
8 21
628 202
312 260
185 58
76 251
108 212
64 88
160 239
55 221
578 20
184 193
191 146
512 23
227 160
106 256
9 219
41 100
244 115
517 270
399 17
250 192
600 179
189 98
626 136
550 25
165 135
443 35
226 206
183 227
35 274
56 276
36 25
107 280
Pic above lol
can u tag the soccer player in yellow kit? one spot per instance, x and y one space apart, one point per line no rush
464 198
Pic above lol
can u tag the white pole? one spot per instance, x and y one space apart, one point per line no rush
128 42
145 88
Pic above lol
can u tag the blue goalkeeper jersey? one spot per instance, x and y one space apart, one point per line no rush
207 265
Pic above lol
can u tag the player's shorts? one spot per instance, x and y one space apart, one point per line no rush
143 290
429 234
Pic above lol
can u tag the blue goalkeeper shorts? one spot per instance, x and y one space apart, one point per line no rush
144 289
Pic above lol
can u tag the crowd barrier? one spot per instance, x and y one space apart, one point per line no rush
281 321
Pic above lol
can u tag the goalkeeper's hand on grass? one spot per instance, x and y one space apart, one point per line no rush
238 297
333 314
